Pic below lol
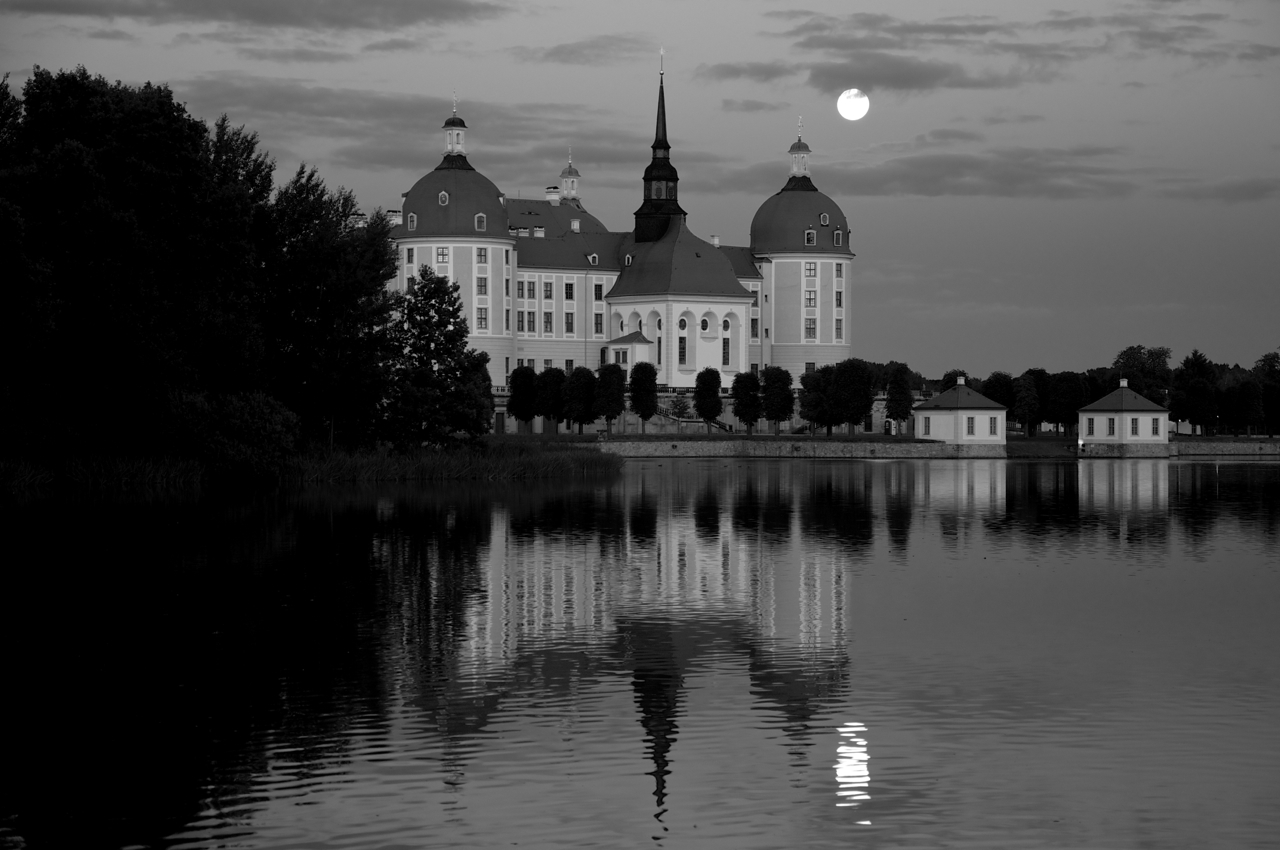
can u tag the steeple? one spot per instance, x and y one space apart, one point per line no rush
455 130
660 180
569 180
799 153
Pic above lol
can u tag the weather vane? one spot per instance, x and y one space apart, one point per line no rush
455 101
799 125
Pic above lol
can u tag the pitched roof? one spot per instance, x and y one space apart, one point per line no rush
959 397
633 338
571 251
678 264
1123 399
742 260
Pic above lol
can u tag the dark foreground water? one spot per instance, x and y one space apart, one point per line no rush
719 654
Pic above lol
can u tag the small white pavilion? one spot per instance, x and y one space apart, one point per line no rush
963 417
1124 424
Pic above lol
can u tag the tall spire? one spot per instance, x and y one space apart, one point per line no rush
660 178
660 132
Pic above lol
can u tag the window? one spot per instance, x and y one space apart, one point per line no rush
568 292
811 237
810 328
481 221
839 237
593 259
540 232
622 326
546 291
684 340
991 425
546 323
520 363
408 257
640 325
811 367
824 219
529 321
755 368
482 256
520 321
546 364
726 326
482 318
506 365
1133 427
482 286
506 322
599 291
627 260
1088 424
568 323
506 287
839 298
926 426
755 328
839 271
568 366
683 324
1111 426
1155 426
705 325
839 328
755 298
599 326
810 269
724 352
413 221
811 298
968 426
444 199
506 256
442 255
659 324
519 288
659 351
604 356
620 357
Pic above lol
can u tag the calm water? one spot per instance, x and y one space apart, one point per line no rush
718 654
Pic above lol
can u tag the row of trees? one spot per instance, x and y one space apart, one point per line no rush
165 296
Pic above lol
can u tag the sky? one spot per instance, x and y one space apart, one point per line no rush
1037 184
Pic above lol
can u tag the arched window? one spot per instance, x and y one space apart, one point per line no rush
481 221
593 259
413 221
444 199
811 237
726 325
659 324
683 324
839 238
824 219
705 324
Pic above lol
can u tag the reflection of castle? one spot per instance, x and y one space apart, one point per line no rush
1134 485
543 283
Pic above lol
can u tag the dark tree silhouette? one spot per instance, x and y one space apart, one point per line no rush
816 402
549 396
706 396
643 388
611 394
580 397
522 397
776 394
745 394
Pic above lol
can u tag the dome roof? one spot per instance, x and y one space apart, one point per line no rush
799 146
570 171
453 121
781 221
469 193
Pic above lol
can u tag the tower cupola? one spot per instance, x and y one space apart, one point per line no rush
799 154
455 130
569 180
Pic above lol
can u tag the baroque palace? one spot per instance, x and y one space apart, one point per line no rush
544 283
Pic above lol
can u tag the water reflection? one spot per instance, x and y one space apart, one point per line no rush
475 662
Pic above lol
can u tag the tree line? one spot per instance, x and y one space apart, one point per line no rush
167 297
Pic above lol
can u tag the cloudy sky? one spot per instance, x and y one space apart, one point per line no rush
1037 183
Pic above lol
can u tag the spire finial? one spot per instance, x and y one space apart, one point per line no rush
662 52
799 126
455 101
571 154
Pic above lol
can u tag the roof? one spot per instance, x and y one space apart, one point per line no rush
1123 399
633 338
556 219
780 223
959 397
678 264
742 260
798 146
470 193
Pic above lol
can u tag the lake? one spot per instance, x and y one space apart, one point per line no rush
707 654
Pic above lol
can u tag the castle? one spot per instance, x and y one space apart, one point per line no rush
544 283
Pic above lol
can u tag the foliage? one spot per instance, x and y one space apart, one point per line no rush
643 387
611 393
580 397
852 394
745 394
680 406
899 400
549 395
999 388
1193 398
706 395
522 393
1068 392
1147 370
949 380
1026 402
776 394
816 402
250 434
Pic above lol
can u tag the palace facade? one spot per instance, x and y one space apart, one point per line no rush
544 283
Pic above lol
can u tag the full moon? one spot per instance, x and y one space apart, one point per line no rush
853 104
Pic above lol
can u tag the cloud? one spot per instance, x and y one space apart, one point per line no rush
392 44
876 70
1232 191
303 14
293 54
932 139
597 50
113 35
1004 118
751 105
760 72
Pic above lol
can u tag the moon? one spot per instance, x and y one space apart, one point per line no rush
853 104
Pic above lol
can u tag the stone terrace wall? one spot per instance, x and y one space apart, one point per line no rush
1228 448
808 448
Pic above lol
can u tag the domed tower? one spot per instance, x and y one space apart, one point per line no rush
569 178
455 222
800 238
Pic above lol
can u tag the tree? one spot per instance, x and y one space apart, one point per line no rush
816 402
1267 372
1147 370
611 394
852 393
643 388
522 393
899 400
778 398
745 394
680 406
1194 392
706 396
999 388
549 396
949 380
580 397
439 388
1067 394
1026 404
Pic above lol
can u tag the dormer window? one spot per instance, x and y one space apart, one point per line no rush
444 199
593 259
839 238
811 237
628 260
575 225
413 221
824 219
482 221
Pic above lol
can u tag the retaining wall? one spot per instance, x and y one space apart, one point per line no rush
772 448
1228 448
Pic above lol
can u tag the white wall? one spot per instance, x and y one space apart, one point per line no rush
1123 427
